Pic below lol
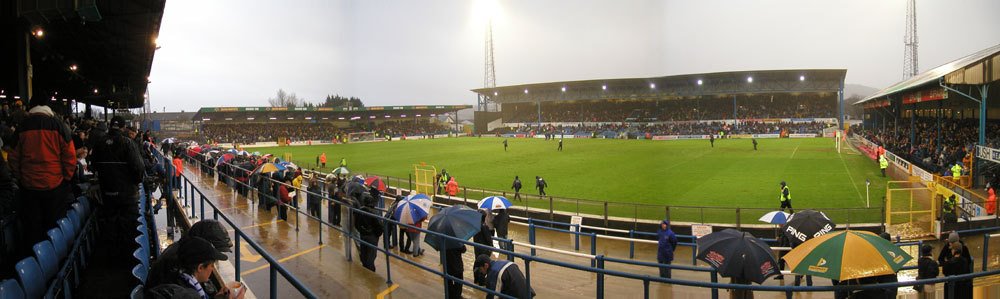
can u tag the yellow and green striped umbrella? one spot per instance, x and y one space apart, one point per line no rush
846 255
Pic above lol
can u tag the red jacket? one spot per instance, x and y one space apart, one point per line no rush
45 156
178 166
283 193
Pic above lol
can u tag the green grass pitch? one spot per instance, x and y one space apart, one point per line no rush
682 173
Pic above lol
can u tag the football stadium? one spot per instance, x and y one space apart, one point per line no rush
744 182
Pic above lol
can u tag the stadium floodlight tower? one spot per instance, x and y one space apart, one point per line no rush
488 9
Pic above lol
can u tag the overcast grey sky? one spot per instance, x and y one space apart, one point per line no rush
239 53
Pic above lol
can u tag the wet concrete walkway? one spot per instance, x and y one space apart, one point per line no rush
327 272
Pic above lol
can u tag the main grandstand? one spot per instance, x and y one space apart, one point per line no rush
739 102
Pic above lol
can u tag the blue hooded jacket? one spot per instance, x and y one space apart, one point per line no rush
667 243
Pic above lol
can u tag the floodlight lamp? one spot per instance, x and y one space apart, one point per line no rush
564 89
749 79
652 85
525 91
494 93
604 87
73 67
699 81
802 78
95 90
38 32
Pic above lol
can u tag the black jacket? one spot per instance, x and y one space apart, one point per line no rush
118 165
956 266
512 281
500 222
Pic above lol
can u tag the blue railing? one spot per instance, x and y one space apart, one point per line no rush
596 269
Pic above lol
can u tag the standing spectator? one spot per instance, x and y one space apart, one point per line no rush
454 268
485 235
322 160
313 198
500 223
390 213
296 187
666 244
333 207
369 229
954 241
413 236
991 201
120 170
7 189
540 184
517 188
452 187
502 276
43 162
178 171
285 199
927 268
954 264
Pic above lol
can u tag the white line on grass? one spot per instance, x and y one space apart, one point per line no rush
796 149
852 178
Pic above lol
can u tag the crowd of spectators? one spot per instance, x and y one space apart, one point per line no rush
932 149
632 130
757 107
248 133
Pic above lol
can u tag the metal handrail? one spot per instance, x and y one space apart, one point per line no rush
527 259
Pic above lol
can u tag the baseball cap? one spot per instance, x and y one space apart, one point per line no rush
480 260
211 230
195 250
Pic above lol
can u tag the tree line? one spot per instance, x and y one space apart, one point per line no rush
291 100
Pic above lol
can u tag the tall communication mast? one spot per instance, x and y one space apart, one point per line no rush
910 62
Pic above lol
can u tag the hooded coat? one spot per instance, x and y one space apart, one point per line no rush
667 243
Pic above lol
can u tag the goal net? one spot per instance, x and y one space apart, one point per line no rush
361 137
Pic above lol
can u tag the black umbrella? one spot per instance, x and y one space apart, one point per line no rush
457 221
805 225
738 255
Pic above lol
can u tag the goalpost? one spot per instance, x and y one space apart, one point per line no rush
360 137
424 178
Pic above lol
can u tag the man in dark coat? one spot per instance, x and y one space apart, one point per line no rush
955 263
169 261
945 256
517 188
502 276
666 244
369 229
485 235
454 267
120 169
500 223
927 268
540 184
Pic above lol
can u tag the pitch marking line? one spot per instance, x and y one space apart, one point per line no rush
248 272
796 150
387 291
849 175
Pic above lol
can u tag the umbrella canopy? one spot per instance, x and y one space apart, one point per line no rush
805 225
233 151
225 158
340 171
409 211
776 217
376 182
288 165
256 153
738 255
354 190
457 221
421 199
847 255
243 153
494 203
269 168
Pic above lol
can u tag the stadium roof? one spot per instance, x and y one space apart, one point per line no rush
106 45
673 87
976 68
342 113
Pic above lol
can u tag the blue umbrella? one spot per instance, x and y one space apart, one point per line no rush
457 221
233 151
494 203
411 211
776 217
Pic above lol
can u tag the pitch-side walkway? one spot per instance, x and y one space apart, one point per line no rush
325 269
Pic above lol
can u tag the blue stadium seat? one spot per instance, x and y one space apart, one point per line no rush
81 211
46 255
141 256
139 272
59 242
143 242
74 218
68 230
85 202
137 292
31 277
10 289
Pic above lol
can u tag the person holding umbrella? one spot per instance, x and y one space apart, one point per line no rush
500 223
666 244
485 235
739 256
369 229
459 222
390 213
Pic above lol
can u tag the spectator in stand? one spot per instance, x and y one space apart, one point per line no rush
927 268
667 243
313 198
120 170
196 262
43 162
502 276
285 198
169 260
